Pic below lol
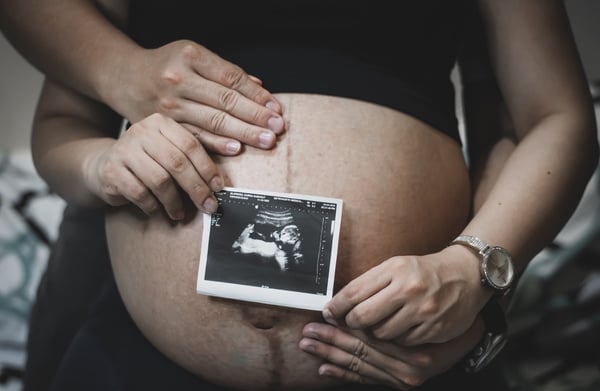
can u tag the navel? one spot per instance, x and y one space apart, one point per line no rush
262 318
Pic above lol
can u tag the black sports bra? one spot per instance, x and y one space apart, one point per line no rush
364 50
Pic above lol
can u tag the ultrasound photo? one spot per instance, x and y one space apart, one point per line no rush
274 248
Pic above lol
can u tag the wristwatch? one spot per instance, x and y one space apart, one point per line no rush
493 341
497 270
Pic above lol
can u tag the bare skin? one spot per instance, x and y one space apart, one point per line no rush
216 100
556 139
406 206
545 115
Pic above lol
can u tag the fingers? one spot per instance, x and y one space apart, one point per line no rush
235 103
398 299
396 321
223 124
157 183
193 85
159 157
226 74
383 313
346 303
255 79
406 330
220 145
344 374
389 316
352 358
226 101
187 162
123 186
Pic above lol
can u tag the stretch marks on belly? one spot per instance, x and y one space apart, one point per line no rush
266 319
277 358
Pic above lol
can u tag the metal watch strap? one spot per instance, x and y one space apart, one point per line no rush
472 241
488 252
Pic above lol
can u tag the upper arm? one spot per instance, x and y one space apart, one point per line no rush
78 42
483 108
115 10
536 61
63 114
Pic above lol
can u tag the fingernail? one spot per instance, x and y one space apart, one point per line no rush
233 147
255 79
275 124
312 334
310 331
271 105
216 184
307 345
210 205
324 371
266 139
328 316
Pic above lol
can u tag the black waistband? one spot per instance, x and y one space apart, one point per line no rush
370 52
324 72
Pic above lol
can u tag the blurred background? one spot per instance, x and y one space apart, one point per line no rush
555 316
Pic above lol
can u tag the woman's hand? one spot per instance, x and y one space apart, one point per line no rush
149 164
214 99
413 299
354 356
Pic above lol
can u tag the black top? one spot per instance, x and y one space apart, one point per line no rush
371 51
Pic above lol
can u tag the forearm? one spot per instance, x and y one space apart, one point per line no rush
543 84
63 161
72 41
538 188
67 135
490 135
80 44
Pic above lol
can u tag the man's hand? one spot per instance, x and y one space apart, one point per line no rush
354 356
214 99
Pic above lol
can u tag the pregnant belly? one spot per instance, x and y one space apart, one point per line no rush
405 190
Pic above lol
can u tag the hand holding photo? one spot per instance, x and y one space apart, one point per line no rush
272 248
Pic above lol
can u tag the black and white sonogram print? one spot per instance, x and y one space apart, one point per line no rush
271 240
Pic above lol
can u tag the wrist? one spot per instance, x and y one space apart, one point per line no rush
115 85
464 264
495 266
90 171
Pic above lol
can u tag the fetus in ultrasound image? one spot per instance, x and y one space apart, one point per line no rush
270 247
273 236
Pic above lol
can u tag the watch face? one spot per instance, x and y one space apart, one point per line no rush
498 268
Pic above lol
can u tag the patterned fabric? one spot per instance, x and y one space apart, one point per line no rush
29 218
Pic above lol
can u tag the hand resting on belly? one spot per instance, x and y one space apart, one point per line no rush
405 190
